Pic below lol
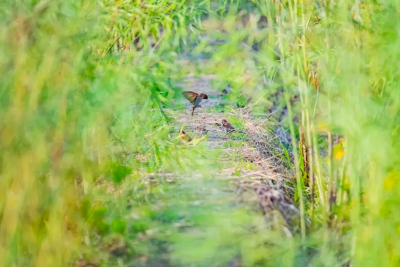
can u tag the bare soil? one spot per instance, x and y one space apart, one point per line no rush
268 183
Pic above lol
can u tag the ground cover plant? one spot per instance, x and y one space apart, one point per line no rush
95 172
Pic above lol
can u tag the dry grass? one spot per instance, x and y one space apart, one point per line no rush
269 175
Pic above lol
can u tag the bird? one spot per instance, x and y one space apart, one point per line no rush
194 98
184 136
227 126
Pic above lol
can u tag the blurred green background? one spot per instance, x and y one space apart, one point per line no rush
83 92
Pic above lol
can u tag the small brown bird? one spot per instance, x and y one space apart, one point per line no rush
227 126
194 98
184 136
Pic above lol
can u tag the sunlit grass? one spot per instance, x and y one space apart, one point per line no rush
82 125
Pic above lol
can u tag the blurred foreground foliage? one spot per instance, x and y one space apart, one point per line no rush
82 93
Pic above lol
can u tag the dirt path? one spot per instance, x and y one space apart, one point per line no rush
266 181
223 200
232 204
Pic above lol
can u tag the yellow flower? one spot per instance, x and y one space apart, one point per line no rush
391 180
338 150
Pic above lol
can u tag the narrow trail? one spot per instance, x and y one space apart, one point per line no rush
222 201
265 182
241 189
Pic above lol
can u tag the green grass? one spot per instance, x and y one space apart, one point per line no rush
82 126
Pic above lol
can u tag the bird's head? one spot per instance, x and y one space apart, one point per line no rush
203 96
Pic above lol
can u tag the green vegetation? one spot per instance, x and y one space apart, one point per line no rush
91 170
